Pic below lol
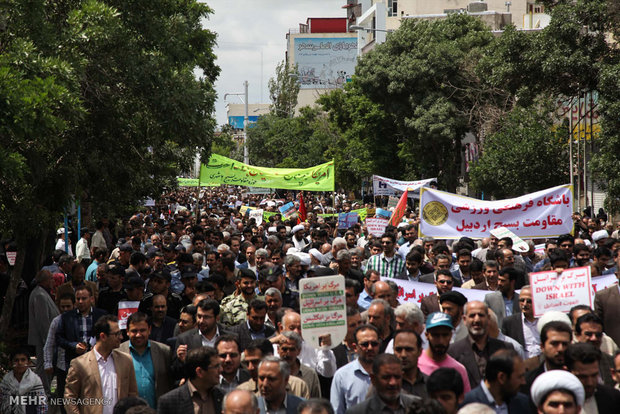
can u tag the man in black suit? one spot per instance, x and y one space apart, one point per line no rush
254 327
554 339
71 335
444 283
203 367
205 334
504 374
475 350
522 324
582 360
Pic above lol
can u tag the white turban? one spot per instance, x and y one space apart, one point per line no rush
316 254
297 228
598 235
553 316
555 380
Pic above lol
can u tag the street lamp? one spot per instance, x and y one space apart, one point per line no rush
246 158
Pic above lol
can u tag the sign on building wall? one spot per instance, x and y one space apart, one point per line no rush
325 63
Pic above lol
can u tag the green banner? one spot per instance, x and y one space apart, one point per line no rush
187 182
222 170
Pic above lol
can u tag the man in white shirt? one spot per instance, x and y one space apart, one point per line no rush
82 251
104 375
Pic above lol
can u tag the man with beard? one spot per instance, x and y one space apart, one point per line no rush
558 392
351 382
438 333
504 374
505 301
581 254
452 304
162 325
475 350
444 282
235 306
407 348
232 375
582 360
386 379
254 327
555 336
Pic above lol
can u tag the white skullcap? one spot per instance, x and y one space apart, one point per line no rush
553 316
297 228
598 235
272 229
292 250
303 257
316 254
555 380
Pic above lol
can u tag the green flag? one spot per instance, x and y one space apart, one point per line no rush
222 170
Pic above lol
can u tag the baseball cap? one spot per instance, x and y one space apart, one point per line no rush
247 273
272 274
134 282
164 274
436 319
125 247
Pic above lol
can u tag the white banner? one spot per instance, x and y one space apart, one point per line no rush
414 291
386 186
257 215
376 226
125 309
545 213
560 292
409 291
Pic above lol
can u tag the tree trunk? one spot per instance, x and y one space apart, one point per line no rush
9 300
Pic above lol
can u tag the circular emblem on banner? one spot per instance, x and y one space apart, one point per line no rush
435 213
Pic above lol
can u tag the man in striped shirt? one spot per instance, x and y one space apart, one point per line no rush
388 264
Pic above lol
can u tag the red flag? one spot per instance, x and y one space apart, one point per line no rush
301 214
399 211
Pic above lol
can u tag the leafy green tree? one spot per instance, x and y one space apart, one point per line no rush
283 90
419 84
298 142
101 104
528 153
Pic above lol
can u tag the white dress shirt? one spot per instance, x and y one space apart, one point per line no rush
109 384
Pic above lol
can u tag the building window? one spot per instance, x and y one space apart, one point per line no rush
392 8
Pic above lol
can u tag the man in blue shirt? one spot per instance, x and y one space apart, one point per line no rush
351 382
150 359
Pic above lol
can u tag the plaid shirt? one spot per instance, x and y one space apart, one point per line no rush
85 326
386 268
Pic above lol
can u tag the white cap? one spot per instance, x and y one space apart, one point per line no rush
556 380
297 228
553 316
598 235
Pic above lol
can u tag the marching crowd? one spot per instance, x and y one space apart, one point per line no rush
218 320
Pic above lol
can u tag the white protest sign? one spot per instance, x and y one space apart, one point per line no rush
386 186
376 226
11 257
125 309
323 311
560 292
413 292
257 215
545 213
517 243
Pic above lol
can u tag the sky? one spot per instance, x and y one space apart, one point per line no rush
251 37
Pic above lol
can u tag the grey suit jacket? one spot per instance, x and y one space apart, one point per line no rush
607 307
495 301
160 354
373 404
513 327
41 311
463 353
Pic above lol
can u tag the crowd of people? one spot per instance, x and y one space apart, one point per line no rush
218 320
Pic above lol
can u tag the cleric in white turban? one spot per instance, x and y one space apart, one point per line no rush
557 387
